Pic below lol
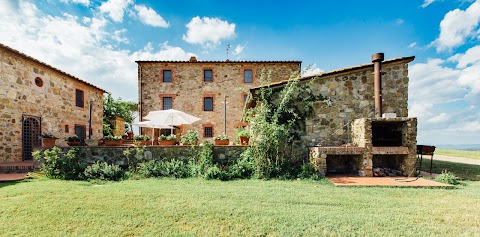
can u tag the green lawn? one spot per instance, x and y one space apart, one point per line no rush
458 153
196 207
463 171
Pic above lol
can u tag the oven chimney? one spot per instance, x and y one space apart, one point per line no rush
377 71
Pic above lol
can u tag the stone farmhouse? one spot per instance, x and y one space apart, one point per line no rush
201 88
361 125
37 98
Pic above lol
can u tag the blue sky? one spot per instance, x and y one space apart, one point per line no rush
99 40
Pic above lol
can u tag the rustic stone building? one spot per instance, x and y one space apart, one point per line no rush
37 98
346 132
201 88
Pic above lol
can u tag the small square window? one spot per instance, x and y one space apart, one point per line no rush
208 104
167 103
167 75
247 76
207 132
207 75
79 99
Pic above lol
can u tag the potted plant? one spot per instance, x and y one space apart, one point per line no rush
190 138
141 140
222 140
243 136
111 140
130 135
48 140
73 140
167 140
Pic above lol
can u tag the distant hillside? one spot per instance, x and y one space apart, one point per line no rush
467 147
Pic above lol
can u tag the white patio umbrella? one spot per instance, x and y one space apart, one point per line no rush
171 117
152 125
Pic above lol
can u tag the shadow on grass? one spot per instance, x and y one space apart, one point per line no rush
462 171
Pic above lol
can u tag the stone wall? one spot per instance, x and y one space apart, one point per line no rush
53 99
114 155
350 96
188 89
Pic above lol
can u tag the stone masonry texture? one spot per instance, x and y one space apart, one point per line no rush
53 101
188 89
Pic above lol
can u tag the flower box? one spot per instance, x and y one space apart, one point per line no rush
166 143
221 142
73 143
113 142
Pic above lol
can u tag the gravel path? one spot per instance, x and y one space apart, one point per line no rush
454 159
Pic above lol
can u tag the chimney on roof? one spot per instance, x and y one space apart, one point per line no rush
193 59
377 71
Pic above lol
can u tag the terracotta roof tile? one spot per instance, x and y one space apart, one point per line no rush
338 71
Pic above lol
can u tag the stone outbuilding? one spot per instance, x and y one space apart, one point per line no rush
352 128
214 91
37 98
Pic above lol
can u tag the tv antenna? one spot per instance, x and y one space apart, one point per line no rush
228 47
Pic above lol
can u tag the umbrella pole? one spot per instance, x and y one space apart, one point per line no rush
153 133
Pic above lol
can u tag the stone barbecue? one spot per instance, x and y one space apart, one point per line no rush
386 143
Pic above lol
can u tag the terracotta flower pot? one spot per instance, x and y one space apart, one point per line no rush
113 142
48 142
73 143
222 142
244 140
166 143
130 135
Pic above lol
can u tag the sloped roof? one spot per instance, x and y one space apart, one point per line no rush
159 61
339 71
48 66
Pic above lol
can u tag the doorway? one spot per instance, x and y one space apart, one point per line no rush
31 135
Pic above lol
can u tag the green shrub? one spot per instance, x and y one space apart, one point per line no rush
307 171
104 171
447 177
244 167
216 173
173 168
60 166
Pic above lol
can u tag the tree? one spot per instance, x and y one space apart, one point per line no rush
124 109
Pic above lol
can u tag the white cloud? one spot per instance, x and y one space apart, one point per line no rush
471 56
426 3
149 17
166 52
115 8
84 2
412 45
238 49
81 49
443 117
399 21
208 32
311 70
457 26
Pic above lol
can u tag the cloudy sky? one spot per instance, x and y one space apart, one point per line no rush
99 40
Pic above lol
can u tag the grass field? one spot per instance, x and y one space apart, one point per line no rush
196 207
458 153
463 171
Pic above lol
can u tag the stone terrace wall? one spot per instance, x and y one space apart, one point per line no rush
188 89
54 102
350 96
114 155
